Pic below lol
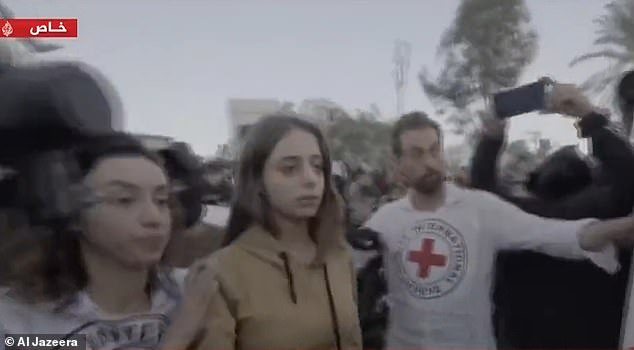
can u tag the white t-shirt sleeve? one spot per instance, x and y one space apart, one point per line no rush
514 229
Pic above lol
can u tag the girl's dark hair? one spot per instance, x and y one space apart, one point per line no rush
251 206
562 173
95 149
625 94
45 263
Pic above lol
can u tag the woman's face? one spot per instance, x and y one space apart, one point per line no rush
293 175
131 221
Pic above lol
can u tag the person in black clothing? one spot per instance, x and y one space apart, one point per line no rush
548 303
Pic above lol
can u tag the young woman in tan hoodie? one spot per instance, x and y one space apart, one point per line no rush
284 279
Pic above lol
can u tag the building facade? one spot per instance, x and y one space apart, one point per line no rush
320 111
243 113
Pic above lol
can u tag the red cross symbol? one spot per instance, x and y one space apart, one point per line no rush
425 258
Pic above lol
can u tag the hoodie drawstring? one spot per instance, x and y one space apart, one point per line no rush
331 299
333 310
289 276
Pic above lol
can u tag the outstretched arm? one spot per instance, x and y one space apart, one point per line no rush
513 229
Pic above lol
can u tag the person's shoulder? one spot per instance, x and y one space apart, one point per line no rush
474 193
222 268
469 194
391 207
218 265
484 202
382 219
387 212
223 256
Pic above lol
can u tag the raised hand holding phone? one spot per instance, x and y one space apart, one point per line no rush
568 100
524 99
544 96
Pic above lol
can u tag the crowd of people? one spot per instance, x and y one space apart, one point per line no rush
455 261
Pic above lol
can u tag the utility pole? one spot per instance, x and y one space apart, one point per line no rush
401 60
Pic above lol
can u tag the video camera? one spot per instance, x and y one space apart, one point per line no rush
187 171
45 111
52 106
625 95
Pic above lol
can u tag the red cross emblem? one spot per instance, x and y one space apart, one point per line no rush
425 258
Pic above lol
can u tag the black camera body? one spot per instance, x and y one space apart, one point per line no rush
45 110
188 174
625 95
52 106
48 109
564 172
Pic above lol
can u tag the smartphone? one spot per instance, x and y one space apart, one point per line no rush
524 99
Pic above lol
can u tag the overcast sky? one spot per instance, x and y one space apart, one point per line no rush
175 63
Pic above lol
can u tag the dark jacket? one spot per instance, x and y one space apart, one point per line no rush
372 289
550 303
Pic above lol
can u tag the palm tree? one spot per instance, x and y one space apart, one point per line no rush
34 45
614 42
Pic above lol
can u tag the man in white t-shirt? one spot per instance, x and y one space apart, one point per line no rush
441 240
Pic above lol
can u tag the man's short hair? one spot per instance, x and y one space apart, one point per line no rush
411 121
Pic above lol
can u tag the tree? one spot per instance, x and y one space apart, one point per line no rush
486 49
360 139
321 110
287 107
615 42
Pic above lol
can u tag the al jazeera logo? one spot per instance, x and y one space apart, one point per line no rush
7 29
33 28
44 341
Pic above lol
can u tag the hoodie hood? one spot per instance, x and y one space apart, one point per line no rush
261 243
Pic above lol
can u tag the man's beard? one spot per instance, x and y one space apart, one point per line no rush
428 184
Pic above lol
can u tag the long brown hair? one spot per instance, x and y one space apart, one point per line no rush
251 206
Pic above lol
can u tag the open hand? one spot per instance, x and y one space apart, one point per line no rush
568 99
187 326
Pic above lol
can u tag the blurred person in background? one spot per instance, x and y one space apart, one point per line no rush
206 236
361 199
462 178
535 306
